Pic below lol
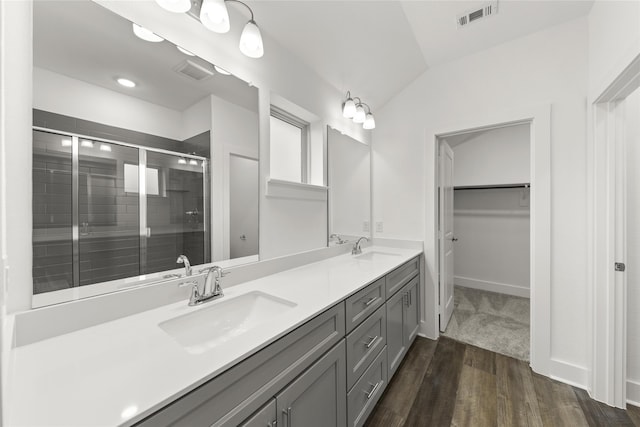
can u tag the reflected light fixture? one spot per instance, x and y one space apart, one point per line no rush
221 70
354 108
125 82
182 161
86 143
176 6
185 51
66 142
105 147
145 34
193 162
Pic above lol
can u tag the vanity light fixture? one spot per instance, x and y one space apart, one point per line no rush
145 34
214 15
125 82
354 108
176 6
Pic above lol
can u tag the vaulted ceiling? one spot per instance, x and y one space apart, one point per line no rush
376 48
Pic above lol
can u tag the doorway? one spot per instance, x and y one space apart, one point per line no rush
614 377
484 230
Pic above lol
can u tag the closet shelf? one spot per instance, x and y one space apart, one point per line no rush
491 187
491 212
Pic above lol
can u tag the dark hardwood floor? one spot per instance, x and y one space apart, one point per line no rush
448 383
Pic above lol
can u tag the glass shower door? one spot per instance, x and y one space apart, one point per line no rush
108 212
175 205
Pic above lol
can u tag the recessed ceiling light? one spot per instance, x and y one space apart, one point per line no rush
125 82
145 34
185 51
221 70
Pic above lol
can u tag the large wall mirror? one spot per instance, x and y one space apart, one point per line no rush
130 174
350 187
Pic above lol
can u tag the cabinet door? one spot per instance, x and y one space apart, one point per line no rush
395 331
265 417
318 397
411 318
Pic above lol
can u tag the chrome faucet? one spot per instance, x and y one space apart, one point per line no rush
357 250
182 259
338 238
211 290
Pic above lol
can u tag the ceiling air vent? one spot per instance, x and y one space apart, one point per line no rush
193 70
476 14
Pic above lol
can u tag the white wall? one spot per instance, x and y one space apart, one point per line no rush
492 251
614 40
64 95
496 156
196 119
632 105
548 67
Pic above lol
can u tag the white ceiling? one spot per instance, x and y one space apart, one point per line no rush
376 48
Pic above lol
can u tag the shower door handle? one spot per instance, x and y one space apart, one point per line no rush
148 231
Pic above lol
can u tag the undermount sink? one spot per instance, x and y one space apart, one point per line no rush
370 256
210 326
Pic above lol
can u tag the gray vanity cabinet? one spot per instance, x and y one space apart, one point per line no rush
318 397
265 417
403 317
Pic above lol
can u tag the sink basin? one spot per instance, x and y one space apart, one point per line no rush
370 256
222 321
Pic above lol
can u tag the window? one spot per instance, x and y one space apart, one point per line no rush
289 147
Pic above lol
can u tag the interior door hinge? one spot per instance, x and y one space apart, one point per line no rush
620 266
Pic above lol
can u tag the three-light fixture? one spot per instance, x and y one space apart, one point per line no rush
353 108
215 17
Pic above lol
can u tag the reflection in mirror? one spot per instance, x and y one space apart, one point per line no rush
123 174
350 188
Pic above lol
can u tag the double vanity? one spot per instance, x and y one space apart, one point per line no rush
312 345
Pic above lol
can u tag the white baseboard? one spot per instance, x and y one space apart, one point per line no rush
568 373
633 393
502 288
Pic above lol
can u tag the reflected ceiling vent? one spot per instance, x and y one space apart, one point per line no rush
477 14
193 70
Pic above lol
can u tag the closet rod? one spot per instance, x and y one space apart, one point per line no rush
489 187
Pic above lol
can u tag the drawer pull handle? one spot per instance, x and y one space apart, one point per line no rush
371 301
373 340
373 390
286 413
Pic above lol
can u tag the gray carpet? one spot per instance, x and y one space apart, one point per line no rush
492 321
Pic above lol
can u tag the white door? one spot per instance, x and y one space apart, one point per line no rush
446 234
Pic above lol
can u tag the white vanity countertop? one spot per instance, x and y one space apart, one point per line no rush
119 372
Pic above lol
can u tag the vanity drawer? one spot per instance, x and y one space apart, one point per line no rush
234 395
364 343
401 276
367 391
364 302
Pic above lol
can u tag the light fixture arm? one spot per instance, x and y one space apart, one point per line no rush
366 105
244 4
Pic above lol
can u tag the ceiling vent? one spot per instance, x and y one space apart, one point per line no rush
477 14
193 70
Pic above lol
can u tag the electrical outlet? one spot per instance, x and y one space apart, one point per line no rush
365 226
379 227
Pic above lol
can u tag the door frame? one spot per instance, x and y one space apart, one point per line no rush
539 118
607 230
